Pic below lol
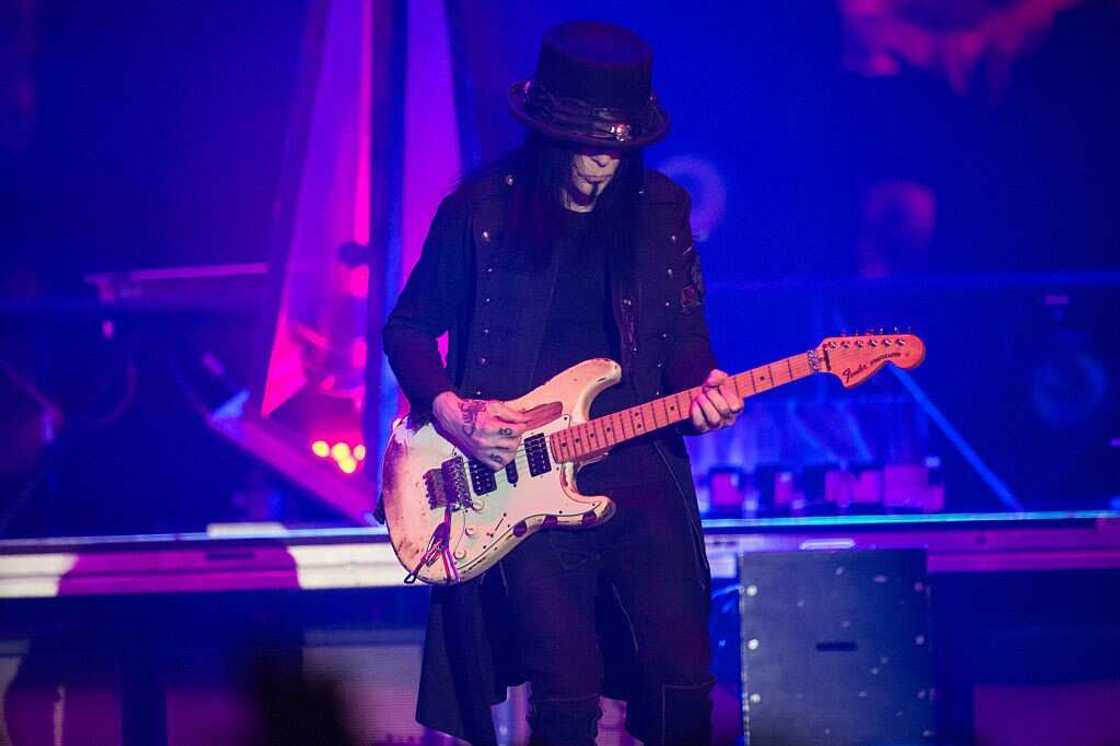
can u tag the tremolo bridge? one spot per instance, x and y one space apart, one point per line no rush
457 480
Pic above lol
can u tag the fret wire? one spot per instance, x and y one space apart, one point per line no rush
603 432
688 395
608 434
629 423
590 437
677 405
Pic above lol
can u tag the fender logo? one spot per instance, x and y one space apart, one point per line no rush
848 373
885 356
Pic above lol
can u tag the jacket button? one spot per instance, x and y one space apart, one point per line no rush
477 393
485 330
509 179
627 302
634 349
657 393
664 335
668 304
673 238
660 363
482 360
486 299
489 270
486 236
669 271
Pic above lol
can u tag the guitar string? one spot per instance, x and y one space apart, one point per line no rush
520 455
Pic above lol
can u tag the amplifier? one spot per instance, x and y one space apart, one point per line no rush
834 648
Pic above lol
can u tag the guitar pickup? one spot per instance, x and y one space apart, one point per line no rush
536 452
482 478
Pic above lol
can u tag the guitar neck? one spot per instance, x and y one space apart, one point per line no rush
591 438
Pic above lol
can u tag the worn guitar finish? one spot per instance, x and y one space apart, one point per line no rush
451 517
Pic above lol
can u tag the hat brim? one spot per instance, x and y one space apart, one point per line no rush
655 115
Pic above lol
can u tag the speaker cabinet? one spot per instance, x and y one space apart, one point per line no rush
835 649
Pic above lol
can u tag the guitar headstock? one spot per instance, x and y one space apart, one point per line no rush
855 358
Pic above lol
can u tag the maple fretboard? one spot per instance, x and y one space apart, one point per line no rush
591 438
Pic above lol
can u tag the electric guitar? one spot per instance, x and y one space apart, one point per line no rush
451 517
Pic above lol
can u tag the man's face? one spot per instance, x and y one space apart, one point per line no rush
591 171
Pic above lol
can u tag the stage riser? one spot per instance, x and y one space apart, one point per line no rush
120 669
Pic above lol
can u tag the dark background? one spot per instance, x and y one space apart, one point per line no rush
150 134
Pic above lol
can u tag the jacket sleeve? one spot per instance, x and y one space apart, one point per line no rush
690 357
428 305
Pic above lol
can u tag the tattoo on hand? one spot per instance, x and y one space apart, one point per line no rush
470 408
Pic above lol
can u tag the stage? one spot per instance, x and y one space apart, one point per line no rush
153 635
242 243
263 557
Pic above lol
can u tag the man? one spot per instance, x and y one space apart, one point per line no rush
567 250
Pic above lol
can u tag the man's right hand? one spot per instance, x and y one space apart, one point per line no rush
488 431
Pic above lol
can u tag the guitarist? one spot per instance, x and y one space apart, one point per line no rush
567 250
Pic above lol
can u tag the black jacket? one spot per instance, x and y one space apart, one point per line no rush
494 308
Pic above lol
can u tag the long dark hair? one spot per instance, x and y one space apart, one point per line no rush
542 170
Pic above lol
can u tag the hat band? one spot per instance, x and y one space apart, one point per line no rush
597 122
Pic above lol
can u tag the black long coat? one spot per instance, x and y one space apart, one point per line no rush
494 308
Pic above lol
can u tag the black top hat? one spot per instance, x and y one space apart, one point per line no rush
592 87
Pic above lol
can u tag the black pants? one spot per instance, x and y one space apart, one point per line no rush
645 559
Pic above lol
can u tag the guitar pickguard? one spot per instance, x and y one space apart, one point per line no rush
432 491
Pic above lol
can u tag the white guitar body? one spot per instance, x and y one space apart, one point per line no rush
446 530
451 518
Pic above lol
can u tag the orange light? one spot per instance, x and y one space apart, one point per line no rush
358 281
340 451
321 449
360 452
348 465
359 351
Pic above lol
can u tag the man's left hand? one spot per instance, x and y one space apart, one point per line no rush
716 404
